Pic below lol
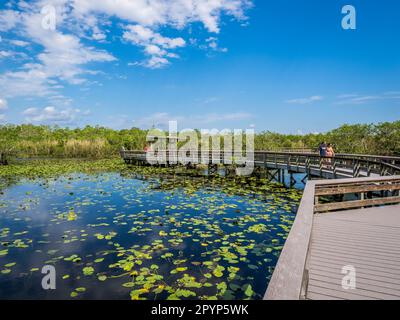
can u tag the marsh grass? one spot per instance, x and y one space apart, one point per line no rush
73 148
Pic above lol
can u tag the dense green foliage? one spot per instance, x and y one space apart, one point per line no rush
100 142
379 139
94 142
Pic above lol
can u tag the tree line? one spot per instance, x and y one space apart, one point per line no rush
28 140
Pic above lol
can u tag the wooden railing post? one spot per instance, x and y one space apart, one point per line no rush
321 163
264 160
334 168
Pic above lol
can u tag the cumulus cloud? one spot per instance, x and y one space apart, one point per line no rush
155 45
3 104
62 56
161 119
148 16
305 100
3 107
19 43
62 59
356 99
9 19
155 13
52 115
6 54
212 44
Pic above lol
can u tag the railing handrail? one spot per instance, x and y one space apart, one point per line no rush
341 155
366 160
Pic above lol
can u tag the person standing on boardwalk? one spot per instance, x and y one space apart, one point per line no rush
322 149
329 151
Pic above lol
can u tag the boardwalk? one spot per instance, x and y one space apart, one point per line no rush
311 164
368 240
321 243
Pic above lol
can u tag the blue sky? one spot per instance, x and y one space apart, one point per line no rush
285 66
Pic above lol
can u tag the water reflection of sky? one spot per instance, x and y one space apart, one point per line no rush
195 219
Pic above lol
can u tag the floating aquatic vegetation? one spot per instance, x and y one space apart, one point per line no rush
140 233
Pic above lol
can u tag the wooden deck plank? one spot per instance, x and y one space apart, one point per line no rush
362 285
381 281
361 279
318 296
357 237
337 294
364 238
349 258
365 293
322 262
369 215
341 249
362 245
350 293
287 280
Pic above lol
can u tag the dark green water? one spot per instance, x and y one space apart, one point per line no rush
121 237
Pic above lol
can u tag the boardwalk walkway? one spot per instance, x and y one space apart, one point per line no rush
366 239
311 164
328 238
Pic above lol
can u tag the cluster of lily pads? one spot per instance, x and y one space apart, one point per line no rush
140 233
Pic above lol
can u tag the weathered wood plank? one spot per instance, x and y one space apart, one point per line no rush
364 293
356 204
349 257
359 236
364 278
326 261
359 245
366 239
287 280
361 280
395 185
338 294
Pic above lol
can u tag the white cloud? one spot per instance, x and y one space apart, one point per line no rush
3 104
161 119
6 54
146 17
154 44
19 43
62 59
3 107
9 19
212 44
356 99
305 100
155 13
52 115
64 56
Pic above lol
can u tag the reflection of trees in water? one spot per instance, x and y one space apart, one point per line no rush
7 182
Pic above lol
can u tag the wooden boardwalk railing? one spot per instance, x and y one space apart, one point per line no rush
340 166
